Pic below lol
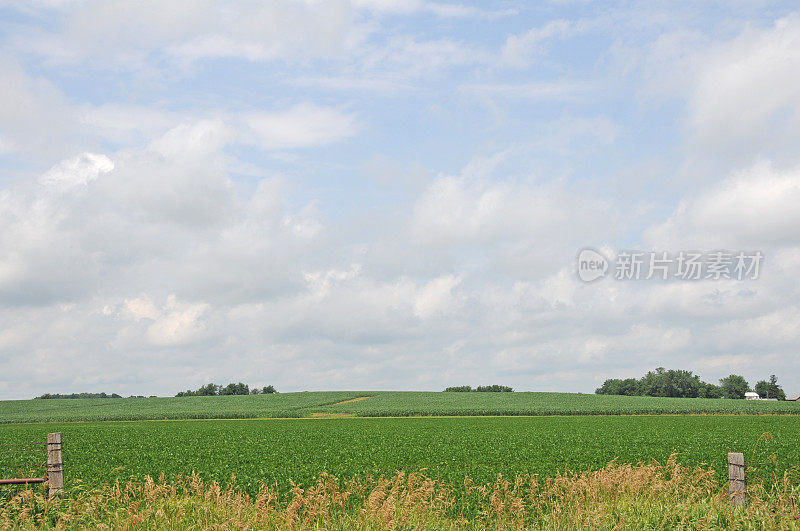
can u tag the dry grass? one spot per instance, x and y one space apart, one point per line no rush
618 496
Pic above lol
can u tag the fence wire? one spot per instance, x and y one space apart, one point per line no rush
23 460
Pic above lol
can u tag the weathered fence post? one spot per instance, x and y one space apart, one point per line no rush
736 477
55 464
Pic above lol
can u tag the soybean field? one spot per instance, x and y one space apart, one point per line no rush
281 451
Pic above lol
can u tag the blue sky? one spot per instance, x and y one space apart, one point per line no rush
391 195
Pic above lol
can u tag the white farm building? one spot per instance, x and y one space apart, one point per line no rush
754 396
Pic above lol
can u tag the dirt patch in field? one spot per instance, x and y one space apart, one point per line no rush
332 415
351 400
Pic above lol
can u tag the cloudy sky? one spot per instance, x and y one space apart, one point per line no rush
391 194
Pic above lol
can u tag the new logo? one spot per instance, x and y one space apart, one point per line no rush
591 265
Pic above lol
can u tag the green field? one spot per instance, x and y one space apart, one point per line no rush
284 405
402 404
277 451
378 404
448 437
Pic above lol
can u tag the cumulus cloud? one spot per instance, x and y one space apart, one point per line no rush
436 297
472 209
746 94
164 211
753 208
177 324
740 89
454 210
77 171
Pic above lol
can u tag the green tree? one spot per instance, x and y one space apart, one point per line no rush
493 389
268 390
709 390
208 390
734 386
673 383
770 389
614 386
235 389
459 389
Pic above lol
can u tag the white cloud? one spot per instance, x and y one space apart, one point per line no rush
179 323
167 211
746 94
33 112
141 308
469 210
77 171
780 328
740 90
436 297
443 10
753 208
302 125
118 30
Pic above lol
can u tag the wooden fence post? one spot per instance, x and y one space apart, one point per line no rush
736 477
55 464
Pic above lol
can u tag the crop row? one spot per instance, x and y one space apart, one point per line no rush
205 407
401 404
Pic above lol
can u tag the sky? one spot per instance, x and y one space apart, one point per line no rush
392 194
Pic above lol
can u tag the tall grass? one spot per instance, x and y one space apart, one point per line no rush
618 496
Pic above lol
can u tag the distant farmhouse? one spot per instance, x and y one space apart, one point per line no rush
754 396
795 397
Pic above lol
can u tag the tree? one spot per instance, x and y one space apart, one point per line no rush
235 389
50 396
674 383
613 386
679 384
734 386
208 390
630 387
459 389
493 389
709 390
268 390
609 387
770 389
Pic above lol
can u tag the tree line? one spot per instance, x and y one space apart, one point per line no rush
479 389
684 384
230 389
51 396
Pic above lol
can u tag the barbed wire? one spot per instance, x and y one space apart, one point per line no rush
28 459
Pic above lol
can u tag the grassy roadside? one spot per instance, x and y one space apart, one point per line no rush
617 496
